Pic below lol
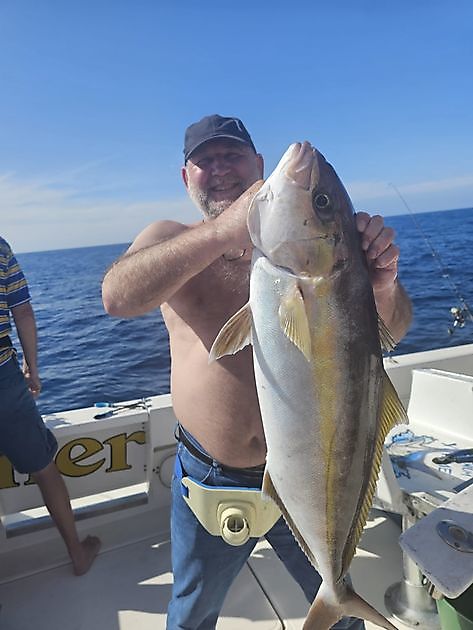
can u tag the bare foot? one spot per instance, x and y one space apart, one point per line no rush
89 548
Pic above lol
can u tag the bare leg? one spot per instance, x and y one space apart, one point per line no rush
56 499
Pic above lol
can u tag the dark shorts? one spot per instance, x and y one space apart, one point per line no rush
24 438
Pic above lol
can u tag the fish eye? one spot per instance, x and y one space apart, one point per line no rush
322 201
322 204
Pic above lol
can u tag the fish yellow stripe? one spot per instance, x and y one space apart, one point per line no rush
326 383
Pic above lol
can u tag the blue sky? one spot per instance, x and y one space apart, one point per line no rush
95 97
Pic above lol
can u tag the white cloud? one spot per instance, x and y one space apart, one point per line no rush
379 190
425 196
37 215
64 211
18 198
441 185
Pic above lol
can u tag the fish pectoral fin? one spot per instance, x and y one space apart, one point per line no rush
387 341
234 335
392 412
270 491
294 323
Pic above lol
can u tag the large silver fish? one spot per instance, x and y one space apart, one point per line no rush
326 401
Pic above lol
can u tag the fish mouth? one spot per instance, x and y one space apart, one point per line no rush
300 163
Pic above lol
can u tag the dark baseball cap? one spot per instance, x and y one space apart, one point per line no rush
214 126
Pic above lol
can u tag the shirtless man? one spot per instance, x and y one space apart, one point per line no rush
199 275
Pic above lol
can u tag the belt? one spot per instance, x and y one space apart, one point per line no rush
5 342
206 459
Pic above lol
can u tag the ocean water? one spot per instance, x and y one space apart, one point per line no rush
87 356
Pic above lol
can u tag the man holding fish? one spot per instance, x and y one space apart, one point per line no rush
302 318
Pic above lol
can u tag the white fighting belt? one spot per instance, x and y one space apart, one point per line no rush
235 514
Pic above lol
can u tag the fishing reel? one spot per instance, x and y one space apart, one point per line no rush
459 318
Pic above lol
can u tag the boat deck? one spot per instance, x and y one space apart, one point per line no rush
118 471
128 588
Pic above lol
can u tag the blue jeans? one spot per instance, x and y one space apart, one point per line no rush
205 566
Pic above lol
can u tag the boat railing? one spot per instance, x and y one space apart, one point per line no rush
421 470
117 463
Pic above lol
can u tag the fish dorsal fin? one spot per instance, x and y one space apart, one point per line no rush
387 341
293 321
392 412
270 491
234 335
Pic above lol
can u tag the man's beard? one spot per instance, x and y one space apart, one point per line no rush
209 208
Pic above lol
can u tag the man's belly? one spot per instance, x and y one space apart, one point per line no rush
223 415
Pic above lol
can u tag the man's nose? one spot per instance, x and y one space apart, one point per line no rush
220 166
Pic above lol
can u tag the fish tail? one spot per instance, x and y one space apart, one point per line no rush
325 612
322 614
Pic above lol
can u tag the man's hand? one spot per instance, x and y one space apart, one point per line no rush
32 379
234 218
392 302
381 253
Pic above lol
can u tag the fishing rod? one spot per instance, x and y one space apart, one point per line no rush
460 313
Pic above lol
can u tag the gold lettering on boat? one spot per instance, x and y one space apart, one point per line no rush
74 465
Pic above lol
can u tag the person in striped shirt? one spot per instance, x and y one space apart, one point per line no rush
24 439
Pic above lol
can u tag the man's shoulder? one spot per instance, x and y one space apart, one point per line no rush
166 228
4 247
158 232
6 253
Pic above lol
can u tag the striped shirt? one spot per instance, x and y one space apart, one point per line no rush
13 292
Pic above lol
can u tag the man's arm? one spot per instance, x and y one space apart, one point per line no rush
392 302
395 308
25 323
166 255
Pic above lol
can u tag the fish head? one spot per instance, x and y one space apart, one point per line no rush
302 218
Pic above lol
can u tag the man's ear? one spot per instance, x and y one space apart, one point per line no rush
184 176
260 162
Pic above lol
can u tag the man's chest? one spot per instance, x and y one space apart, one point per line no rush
223 288
207 303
